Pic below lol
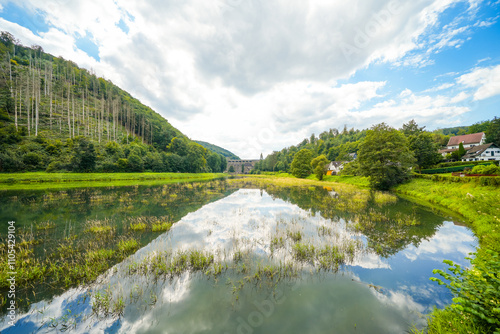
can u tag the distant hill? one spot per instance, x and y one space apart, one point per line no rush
482 126
455 131
218 150
56 116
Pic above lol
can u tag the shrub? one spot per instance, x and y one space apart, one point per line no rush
135 163
54 166
476 291
10 162
490 169
32 159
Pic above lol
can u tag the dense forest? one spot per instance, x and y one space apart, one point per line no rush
338 145
55 116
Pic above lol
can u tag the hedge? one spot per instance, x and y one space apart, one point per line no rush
483 180
446 169
462 163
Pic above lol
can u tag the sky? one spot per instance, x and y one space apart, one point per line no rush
255 76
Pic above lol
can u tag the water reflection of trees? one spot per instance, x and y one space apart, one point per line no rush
71 228
389 223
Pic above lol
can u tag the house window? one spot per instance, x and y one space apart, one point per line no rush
492 153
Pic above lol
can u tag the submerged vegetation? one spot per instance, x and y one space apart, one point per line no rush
249 268
55 252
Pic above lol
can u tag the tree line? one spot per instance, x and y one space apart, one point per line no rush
53 114
385 154
338 145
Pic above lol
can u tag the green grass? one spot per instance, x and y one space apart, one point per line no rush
359 181
43 180
447 321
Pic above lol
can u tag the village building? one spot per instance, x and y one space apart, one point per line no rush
335 167
484 152
468 141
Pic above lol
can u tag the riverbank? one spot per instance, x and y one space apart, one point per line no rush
476 203
43 180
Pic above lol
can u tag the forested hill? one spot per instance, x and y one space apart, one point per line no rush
218 149
334 144
56 116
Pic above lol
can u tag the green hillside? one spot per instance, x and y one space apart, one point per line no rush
219 150
55 116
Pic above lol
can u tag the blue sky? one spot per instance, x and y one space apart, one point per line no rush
255 76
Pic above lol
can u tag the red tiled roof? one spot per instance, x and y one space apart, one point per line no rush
473 138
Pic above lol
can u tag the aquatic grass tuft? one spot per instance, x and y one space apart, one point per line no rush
296 236
100 229
304 252
127 246
277 243
102 302
45 225
99 255
325 231
161 226
137 226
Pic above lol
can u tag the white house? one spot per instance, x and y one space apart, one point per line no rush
470 140
482 153
335 167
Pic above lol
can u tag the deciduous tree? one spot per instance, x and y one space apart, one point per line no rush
301 164
424 149
320 165
384 157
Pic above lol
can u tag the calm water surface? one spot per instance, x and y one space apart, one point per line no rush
382 286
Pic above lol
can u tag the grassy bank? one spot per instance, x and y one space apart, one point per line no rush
38 180
477 204
476 308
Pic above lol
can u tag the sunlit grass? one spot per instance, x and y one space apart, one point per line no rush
100 229
137 226
127 246
161 226
43 180
448 321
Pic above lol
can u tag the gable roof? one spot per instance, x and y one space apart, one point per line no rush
477 150
473 138
336 164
